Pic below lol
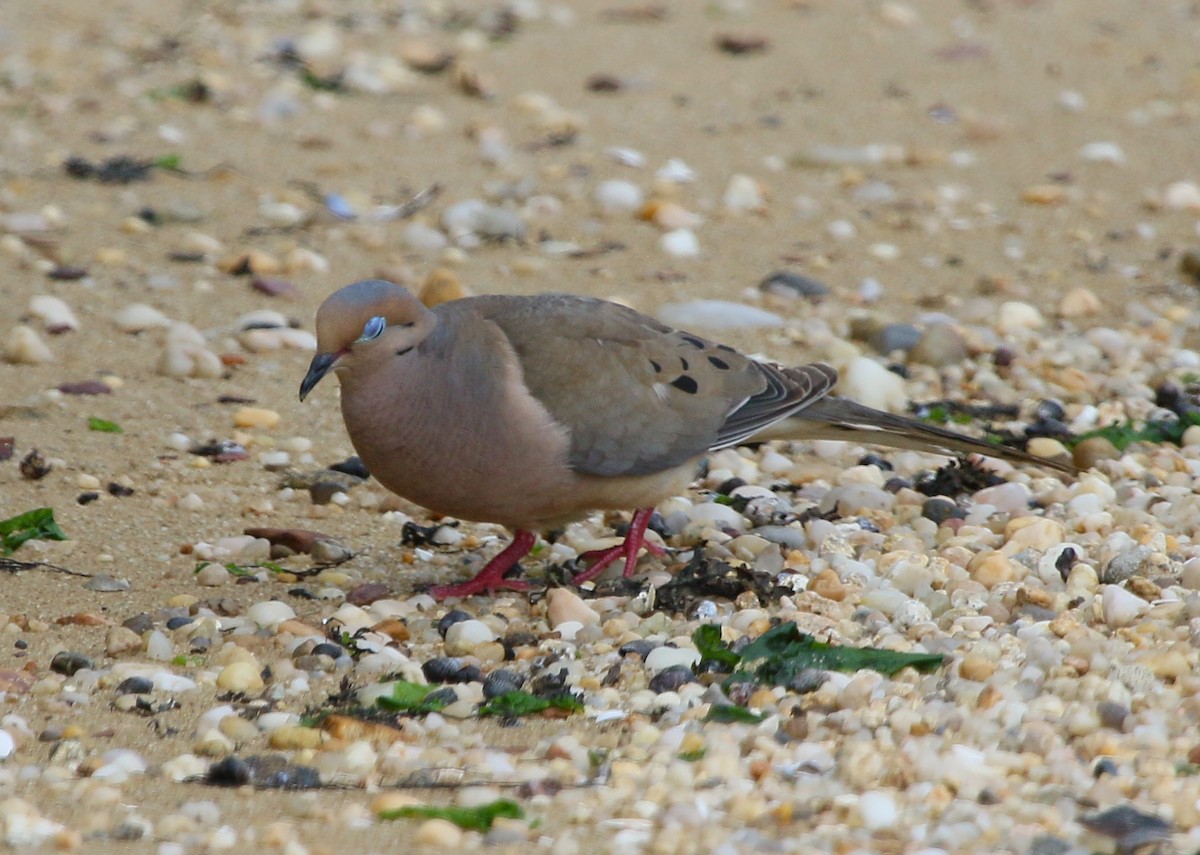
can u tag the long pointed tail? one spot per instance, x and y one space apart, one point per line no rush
843 419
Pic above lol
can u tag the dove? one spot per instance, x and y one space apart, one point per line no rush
533 411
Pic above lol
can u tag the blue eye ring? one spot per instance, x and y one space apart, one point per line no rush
373 328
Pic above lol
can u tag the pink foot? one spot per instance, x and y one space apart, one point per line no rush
629 549
491 577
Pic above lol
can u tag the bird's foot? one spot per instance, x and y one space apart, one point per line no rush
478 586
628 549
492 576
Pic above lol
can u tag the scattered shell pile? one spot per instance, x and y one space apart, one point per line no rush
179 192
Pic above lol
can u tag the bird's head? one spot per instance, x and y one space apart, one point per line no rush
363 325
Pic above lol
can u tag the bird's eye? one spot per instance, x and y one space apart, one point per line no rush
373 328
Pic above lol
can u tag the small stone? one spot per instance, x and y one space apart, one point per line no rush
1047 447
1127 564
680 243
270 613
1182 196
1044 194
1015 316
940 346
274 287
24 346
441 286
439 834
1121 608
120 640
293 737
1090 451
212 576
1189 263
743 194
892 337
563 604
878 810
56 316
138 317
1102 152
618 197
993 568
716 314
103 583
463 637
785 283
241 677
870 383
1079 303
828 585
976 668
255 417
68 662
661 658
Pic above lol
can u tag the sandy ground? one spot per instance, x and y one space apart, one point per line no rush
969 94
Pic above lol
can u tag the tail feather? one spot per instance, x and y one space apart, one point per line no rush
846 420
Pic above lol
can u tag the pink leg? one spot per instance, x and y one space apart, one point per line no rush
491 577
629 549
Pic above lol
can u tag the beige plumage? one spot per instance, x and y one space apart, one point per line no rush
532 411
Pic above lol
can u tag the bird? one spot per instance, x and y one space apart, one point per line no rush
533 411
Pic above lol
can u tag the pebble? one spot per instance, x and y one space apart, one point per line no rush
1121 608
440 834
869 383
56 316
892 337
785 283
716 314
743 194
878 810
139 317
680 243
255 417
186 354
23 346
1016 316
618 197
941 345
1079 303
563 604
1102 152
1182 196
242 677
464 636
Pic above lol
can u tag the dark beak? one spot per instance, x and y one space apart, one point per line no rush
318 368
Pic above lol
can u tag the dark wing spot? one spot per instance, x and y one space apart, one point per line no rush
718 363
403 351
726 347
684 383
657 367
693 341
683 363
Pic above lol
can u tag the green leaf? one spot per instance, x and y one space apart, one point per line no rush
38 523
103 425
318 83
411 698
169 162
1124 434
780 653
707 639
731 713
473 819
518 703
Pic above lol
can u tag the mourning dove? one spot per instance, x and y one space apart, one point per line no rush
533 411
